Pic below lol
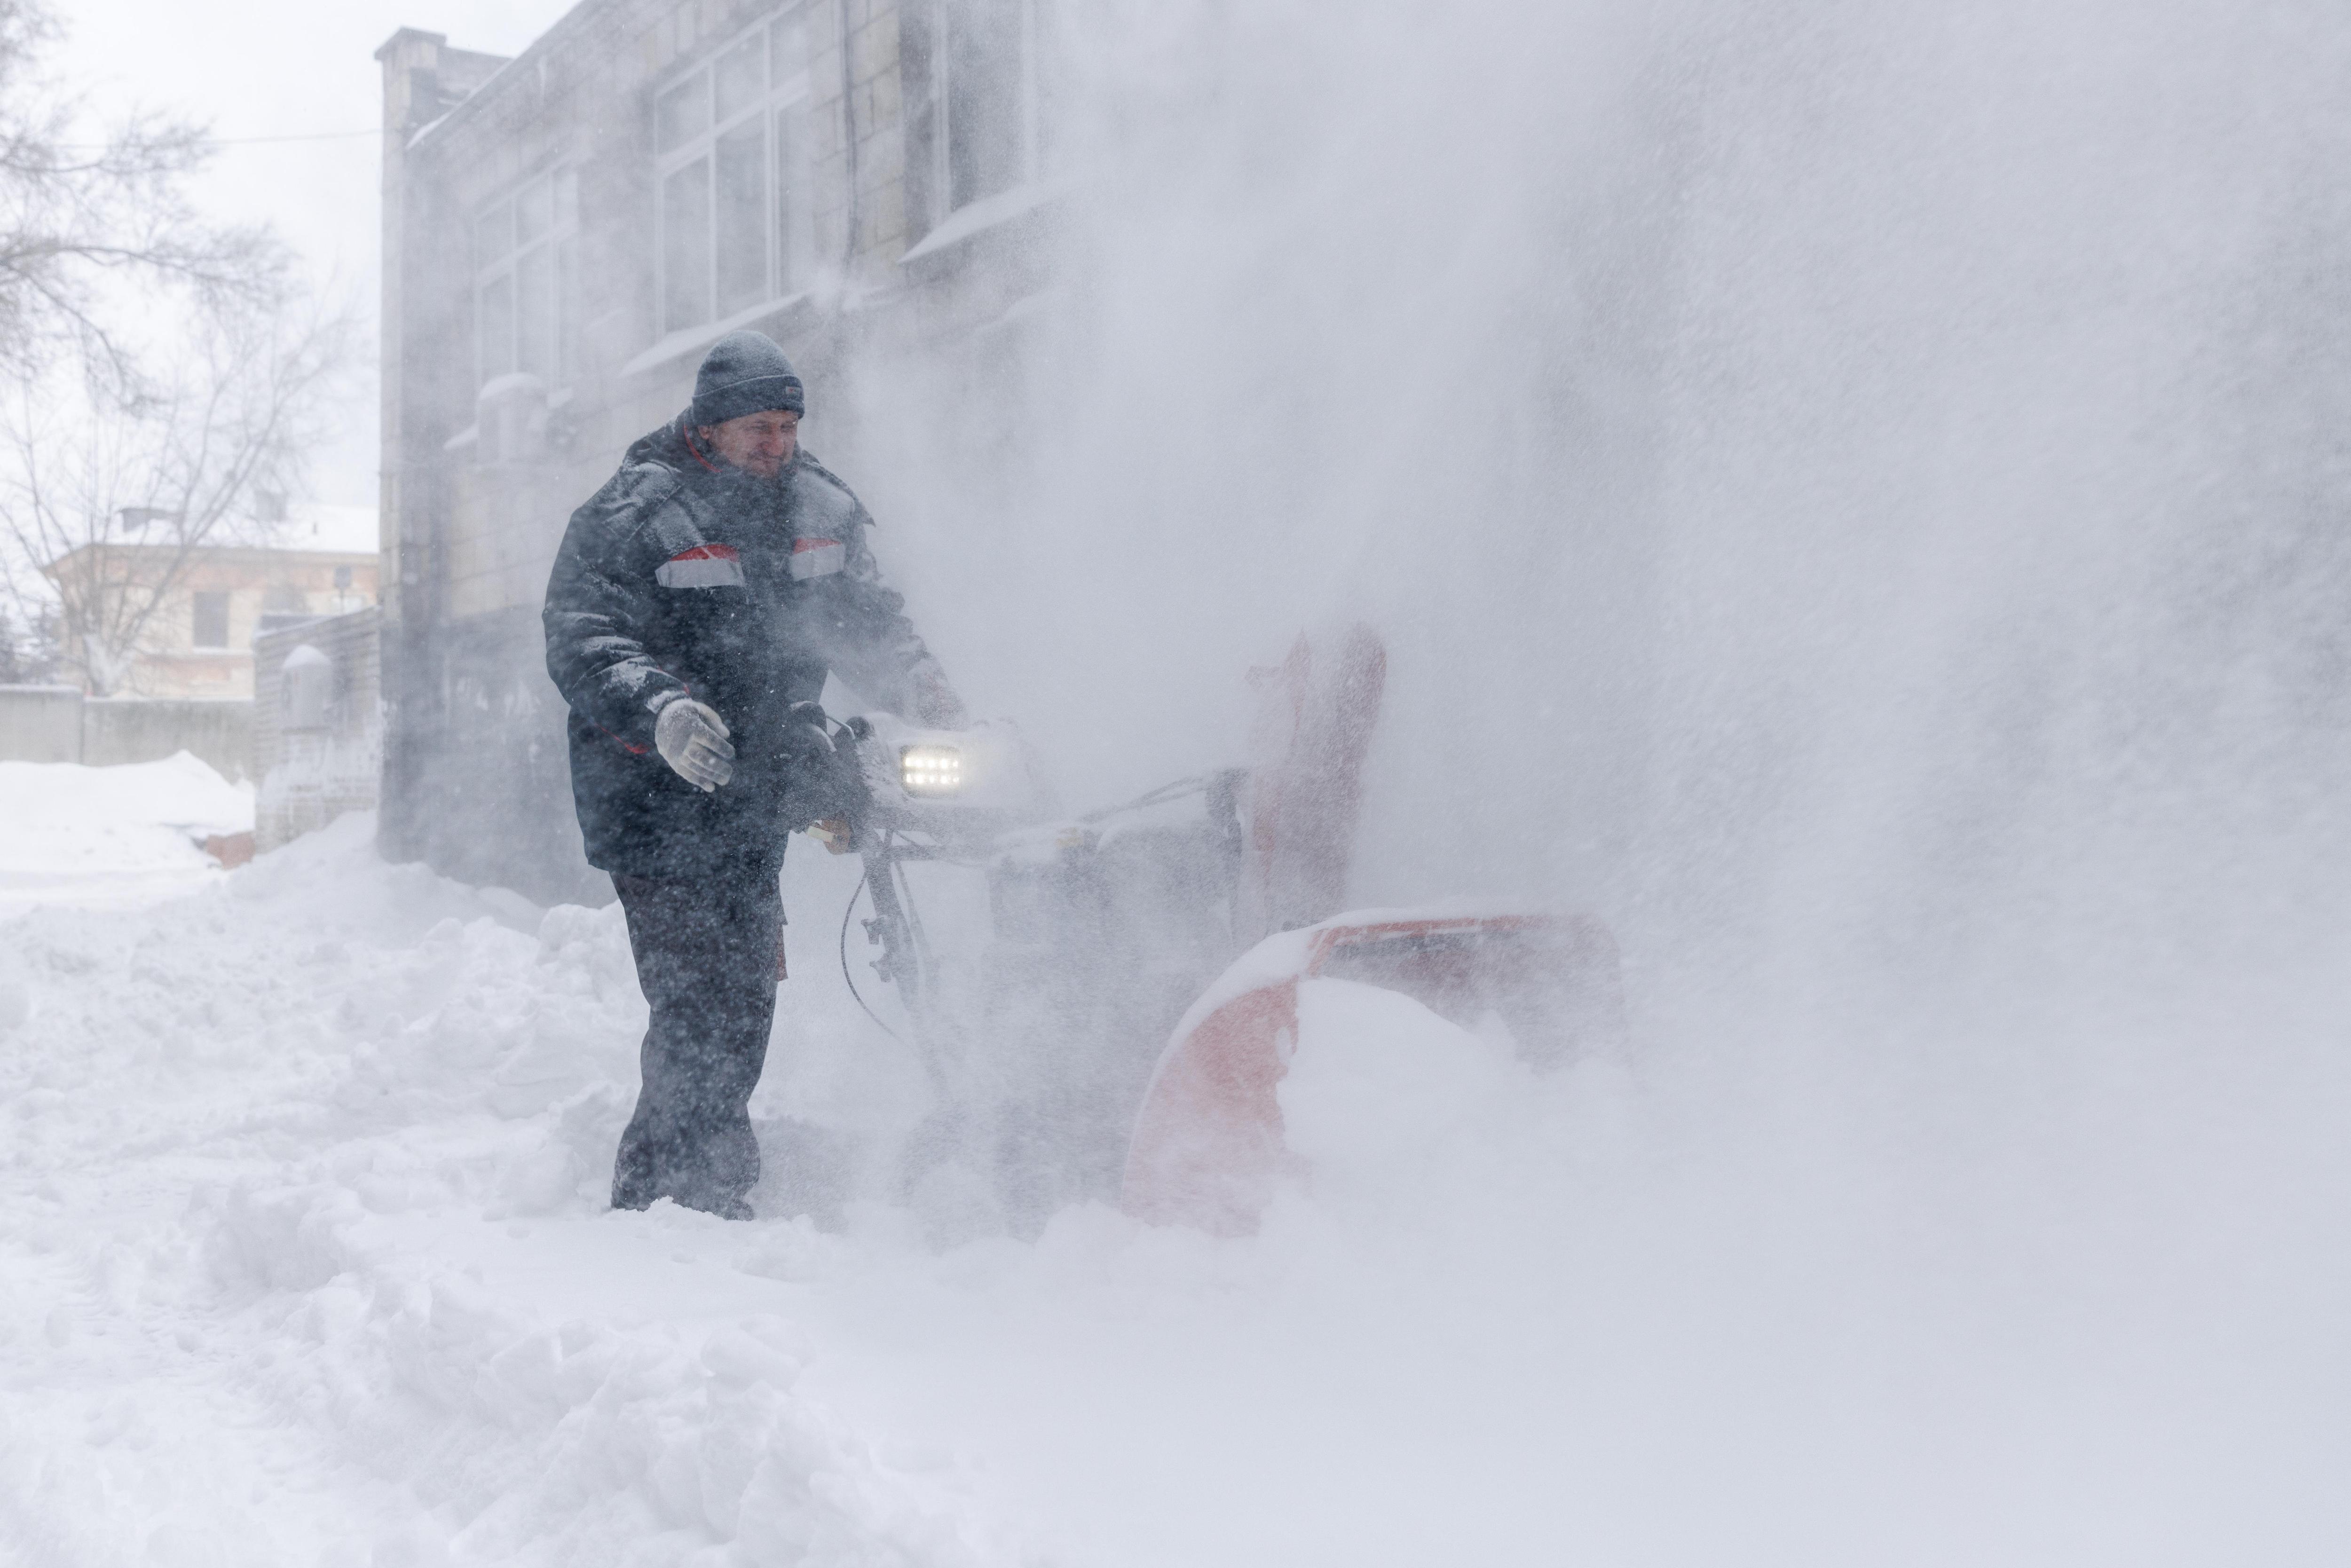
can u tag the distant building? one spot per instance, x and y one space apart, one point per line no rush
210 600
566 232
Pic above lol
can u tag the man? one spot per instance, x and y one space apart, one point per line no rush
711 584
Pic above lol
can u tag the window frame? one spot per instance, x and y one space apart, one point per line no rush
1030 146
786 236
556 248
196 601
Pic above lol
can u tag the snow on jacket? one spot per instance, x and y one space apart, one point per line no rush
684 576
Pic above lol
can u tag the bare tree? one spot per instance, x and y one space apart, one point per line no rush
156 371
107 492
76 218
28 652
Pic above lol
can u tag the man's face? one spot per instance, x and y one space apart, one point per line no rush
757 444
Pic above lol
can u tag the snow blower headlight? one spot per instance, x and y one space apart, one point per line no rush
930 770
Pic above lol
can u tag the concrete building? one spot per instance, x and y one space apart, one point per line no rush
566 232
198 608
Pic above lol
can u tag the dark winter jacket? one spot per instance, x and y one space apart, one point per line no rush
685 576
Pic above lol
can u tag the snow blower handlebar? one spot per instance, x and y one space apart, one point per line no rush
890 793
831 793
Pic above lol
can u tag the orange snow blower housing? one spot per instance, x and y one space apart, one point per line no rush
1207 1147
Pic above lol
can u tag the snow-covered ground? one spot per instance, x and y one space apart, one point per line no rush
102 836
304 1259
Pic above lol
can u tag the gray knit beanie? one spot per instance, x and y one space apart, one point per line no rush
744 372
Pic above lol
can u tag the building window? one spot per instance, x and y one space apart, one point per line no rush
730 140
987 96
212 621
526 272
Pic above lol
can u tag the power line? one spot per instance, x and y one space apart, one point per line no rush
239 141
305 136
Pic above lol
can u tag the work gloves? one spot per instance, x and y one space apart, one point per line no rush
825 783
692 738
803 738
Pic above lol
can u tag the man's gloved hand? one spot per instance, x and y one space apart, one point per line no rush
804 740
692 738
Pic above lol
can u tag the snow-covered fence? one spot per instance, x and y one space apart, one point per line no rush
40 723
58 724
148 729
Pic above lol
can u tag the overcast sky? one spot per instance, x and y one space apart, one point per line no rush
285 68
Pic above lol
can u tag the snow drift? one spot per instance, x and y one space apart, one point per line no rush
97 835
305 1259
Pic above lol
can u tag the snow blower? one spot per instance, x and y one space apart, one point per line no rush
1127 1030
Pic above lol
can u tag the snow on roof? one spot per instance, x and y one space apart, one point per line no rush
317 526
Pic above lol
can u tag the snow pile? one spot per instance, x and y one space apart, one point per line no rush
304 1259
306 1249
107 834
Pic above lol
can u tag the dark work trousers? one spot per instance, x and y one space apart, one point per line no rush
707 957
